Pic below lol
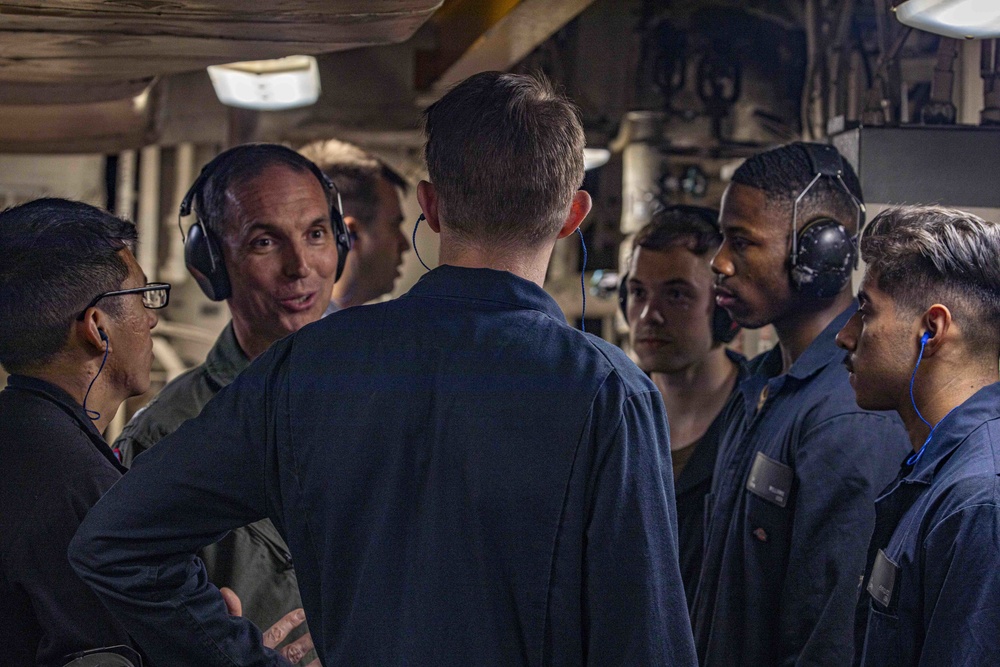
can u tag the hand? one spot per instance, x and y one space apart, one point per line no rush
296 650
232 601
293 652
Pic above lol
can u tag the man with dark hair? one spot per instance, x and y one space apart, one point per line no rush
793 493
470 481
267 212
678 335
75 337
369 189
925 343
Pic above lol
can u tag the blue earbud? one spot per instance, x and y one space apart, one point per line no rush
916 457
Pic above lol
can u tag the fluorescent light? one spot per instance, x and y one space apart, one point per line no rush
970 19
595 157
267 85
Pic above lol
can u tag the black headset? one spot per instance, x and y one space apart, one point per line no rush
724 329
202 254
823 252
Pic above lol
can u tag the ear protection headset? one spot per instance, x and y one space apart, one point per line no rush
724 329
823 252
202 254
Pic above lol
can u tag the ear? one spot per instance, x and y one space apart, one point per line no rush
937 323
89 330
578 210
352 228
427 196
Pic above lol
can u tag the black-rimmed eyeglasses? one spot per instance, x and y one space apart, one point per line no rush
154 296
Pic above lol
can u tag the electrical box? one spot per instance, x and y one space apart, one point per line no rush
956 166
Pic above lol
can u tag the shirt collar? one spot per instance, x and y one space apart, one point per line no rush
741 366
68 404
486 285
954 429
765 369
226 359
823 350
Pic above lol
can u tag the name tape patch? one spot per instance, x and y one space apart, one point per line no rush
770 480
882 583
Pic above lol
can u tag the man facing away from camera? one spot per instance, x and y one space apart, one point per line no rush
925 343
462 477
678 334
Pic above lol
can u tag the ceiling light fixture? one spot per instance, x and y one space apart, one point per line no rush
969 19
267 85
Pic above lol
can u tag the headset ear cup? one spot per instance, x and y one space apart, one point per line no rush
623 296
343 239
825 259
203 259
724 328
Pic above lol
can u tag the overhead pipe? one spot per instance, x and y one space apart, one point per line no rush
990 71
125 187
148 219
173 270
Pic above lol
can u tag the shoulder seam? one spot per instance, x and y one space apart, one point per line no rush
851 413
958 510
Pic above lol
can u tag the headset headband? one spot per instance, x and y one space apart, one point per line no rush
206 172
825 161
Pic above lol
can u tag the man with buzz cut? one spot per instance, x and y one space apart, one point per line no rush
792 504
370 191
461 476
924 343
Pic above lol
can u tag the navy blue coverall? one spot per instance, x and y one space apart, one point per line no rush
783 559
462 479
937 591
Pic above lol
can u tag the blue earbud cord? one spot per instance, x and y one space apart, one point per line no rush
414 244
94 414
583 287
916 457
